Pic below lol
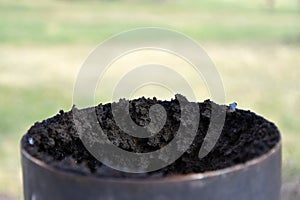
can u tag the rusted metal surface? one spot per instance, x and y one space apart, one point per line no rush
258 179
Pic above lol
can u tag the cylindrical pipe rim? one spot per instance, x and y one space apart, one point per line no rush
172 178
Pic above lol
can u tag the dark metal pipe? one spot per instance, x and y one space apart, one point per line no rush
257 179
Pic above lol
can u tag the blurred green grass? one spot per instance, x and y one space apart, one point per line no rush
43 43
57 22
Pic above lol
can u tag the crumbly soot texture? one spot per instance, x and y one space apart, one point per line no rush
244 136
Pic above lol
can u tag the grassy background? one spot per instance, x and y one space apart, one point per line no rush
256 48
